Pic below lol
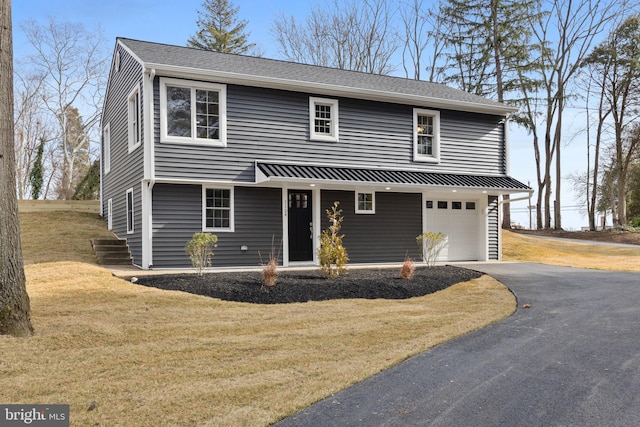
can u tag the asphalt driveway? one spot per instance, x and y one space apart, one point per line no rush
572 359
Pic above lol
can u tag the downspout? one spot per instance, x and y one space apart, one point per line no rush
148 181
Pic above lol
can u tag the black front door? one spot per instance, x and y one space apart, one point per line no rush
300 226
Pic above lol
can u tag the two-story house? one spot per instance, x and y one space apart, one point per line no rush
255 150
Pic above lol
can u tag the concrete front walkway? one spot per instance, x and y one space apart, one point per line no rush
572 359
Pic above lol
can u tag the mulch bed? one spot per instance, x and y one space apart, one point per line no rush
311 285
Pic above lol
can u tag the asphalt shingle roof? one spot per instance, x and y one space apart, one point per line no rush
383 176
156 54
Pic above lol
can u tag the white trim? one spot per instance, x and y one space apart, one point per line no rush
146 189
231 227
134 138
106 148
330 89
333 136
130 226
110 214
193 86
435 157
373 203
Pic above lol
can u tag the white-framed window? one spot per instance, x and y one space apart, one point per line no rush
109 214
135 133
106 152
217 209
130 211
323 119
365 202
426 135
193 112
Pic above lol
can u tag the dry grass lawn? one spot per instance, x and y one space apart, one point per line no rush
149 357
518 247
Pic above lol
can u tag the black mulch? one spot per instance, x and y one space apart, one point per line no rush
303 286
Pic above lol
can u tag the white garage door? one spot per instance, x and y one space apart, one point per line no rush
458 220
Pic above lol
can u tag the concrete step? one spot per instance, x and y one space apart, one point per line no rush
111 251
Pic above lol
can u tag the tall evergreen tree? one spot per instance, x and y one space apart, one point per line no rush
36 175
490 49
220 30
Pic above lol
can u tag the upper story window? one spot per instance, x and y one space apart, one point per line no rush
193 112
134 119
323 119
106 151
218 209
426 135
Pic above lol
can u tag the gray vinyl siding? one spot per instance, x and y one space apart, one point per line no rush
177 215
127 169
386 236
269 124
494 227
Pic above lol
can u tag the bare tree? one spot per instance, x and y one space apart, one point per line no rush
352 35
73 63
14 300
565 34
31 127
424 43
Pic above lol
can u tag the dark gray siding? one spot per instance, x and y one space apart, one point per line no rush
494 228
177 215
386 236
273 125
127 169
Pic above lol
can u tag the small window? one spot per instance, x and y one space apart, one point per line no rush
218 209
130 211
443 205
429 204
193 112
134 120
365 203
110 214
117 61
456 205
426 135
106 152
471 206
323 119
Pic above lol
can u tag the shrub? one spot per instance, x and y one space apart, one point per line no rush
408 269
431 243
270 269
332 254
200 250
635 222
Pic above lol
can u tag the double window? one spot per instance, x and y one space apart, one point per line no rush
426 135
323 119
135 134
365 202
218 209
193 112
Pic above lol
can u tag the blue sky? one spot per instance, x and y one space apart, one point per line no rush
173 22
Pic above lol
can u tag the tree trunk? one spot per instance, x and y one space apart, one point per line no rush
14 301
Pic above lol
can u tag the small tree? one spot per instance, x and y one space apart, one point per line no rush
200 250
431 243
332 254
219 29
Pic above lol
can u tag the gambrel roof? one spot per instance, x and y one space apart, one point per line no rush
188 62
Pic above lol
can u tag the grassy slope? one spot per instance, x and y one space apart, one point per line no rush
151 357
518 247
